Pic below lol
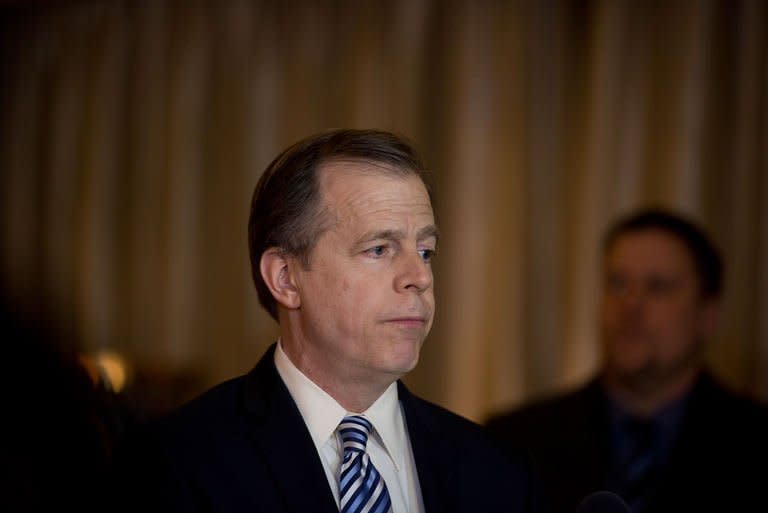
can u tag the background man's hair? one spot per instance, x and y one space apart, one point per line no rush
286 208
706 256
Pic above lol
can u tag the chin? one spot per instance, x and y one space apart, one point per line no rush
635 375
626 362
396 354
405 361
630 370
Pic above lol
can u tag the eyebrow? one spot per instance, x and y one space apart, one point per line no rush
427 232
424 233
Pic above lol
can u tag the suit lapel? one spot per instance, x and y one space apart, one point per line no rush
286 446
284 441
434 463
593 450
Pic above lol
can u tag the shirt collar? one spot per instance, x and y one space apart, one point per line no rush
322 413
387 417
665 424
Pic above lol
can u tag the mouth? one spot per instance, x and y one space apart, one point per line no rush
407 322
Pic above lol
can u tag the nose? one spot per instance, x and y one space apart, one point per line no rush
414 274
632 301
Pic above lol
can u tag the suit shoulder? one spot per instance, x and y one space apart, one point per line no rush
487 476
552 410
212 406
195 422
467 436
447 420
722 408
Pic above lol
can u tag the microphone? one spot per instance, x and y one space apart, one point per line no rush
603 502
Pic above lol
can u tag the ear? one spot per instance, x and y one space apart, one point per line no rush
277 274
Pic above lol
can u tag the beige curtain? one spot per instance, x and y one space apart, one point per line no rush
133 134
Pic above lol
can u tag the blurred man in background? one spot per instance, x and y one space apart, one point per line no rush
654 425
341 235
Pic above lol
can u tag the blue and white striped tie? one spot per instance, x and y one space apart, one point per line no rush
361 487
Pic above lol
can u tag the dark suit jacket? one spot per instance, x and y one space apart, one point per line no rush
722 438
243 447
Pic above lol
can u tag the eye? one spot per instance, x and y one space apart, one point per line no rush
376 251
660 285
616 284
427 254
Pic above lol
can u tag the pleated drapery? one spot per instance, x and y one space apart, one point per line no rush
133 133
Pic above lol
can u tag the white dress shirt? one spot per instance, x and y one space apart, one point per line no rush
389 446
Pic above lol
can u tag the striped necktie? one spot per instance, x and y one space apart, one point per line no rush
361 487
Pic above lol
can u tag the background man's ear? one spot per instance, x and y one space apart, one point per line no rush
277 274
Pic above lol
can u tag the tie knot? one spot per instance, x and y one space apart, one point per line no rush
361 487
354 431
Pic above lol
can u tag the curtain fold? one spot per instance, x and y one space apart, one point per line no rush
134 132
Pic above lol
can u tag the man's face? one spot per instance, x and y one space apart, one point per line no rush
367 298
653 317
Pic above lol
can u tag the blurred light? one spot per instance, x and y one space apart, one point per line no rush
109 368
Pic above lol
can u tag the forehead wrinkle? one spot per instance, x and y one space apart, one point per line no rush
345 205
351 204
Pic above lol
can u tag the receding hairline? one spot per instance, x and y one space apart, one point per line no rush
695 263
365 166
370 165
324 218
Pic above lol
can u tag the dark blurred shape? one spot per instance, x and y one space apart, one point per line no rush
602 502
153 391
60 425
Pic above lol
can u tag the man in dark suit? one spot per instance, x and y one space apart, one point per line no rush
653 425
341 238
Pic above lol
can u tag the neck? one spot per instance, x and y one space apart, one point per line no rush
644 398
354 391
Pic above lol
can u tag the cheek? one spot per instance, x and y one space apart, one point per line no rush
429 299
354 299
672 318
428 296
677 328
